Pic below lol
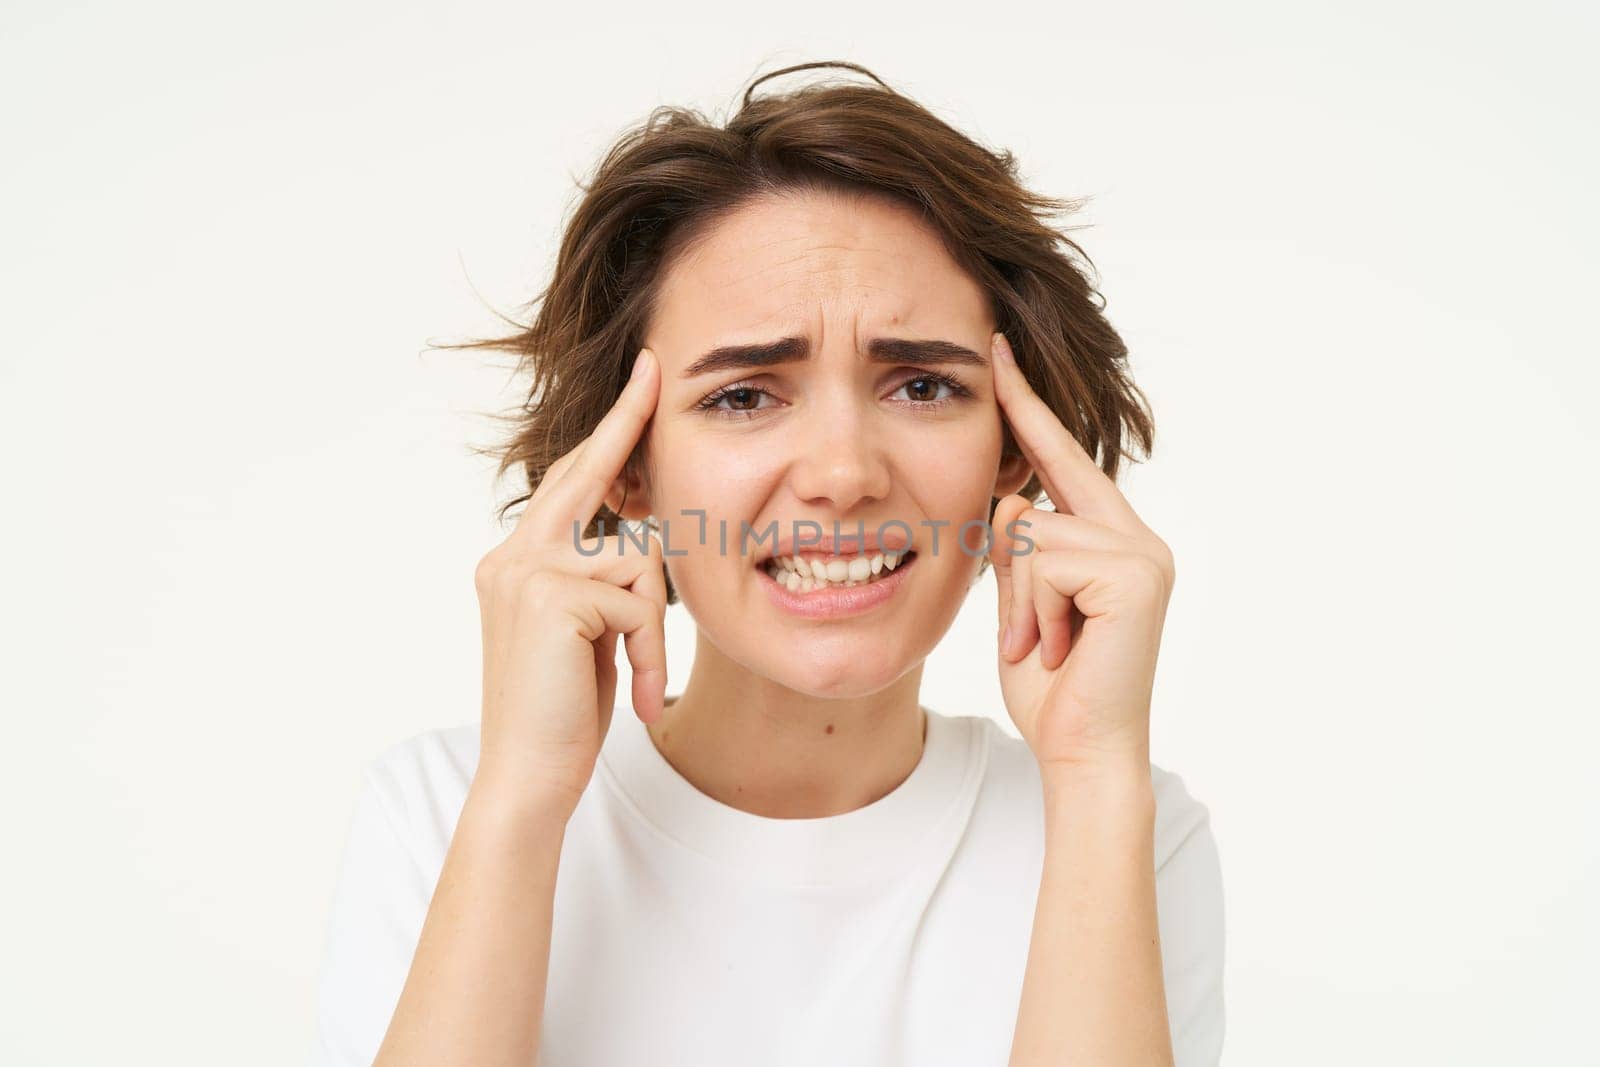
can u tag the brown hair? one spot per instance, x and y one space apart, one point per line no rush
666 181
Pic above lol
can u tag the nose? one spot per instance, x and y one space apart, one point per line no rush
839 458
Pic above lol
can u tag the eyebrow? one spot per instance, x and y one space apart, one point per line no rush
794 349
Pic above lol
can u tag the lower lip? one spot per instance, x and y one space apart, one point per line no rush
836 603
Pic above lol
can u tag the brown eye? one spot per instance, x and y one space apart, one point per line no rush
932 390
741 400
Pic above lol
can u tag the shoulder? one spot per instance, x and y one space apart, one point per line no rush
421 782
1012 779
1011 774
1181 819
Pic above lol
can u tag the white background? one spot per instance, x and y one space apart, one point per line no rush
1352 250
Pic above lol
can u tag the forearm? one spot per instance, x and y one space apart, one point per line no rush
1092 994
475 992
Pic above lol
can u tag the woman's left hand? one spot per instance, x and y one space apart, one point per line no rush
1084 606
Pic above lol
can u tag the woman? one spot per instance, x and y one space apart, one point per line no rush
830 355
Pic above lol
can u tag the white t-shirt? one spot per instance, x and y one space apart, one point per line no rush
688 932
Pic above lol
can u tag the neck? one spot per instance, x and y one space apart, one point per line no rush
756 745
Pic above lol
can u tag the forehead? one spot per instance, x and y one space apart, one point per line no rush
788 259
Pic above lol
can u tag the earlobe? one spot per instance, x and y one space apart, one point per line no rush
1013 474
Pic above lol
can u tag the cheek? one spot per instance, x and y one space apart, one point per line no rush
704 488
956 466
705 473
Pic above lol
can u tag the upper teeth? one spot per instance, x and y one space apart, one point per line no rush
800 574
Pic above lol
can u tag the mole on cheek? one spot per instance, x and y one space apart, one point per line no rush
829 729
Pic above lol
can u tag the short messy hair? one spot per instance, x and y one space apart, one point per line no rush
663 183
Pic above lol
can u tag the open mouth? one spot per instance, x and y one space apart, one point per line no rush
816 573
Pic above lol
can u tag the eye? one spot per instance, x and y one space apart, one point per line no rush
925 389
736 400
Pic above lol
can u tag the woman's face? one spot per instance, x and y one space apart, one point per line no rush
837 428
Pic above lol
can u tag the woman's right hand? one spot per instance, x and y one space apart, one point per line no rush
551 618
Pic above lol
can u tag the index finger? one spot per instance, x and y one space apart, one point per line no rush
580 490
1071 477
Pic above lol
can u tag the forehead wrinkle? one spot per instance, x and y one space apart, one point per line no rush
894 304
808 316
804 259
722 246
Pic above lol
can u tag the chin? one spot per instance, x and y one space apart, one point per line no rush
843 687
826 672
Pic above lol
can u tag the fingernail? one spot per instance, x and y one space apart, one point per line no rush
638 363
1002 349
1005 640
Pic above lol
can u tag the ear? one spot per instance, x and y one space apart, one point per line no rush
1013 474
629 495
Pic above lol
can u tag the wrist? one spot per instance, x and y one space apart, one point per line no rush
1110 783
517 805
1110 764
